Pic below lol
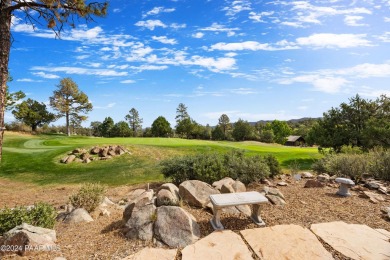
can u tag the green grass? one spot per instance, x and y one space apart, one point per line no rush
36 158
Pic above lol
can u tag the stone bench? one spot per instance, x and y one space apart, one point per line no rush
220 201
345 184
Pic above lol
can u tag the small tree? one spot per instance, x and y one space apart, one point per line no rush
181 113
161 127
242 130
33 114
106 127
121 129
281 130
224 123
95 128
12 98
69 101
217 133
135 121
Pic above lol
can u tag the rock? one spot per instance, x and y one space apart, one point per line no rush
79 150
359 188
176 227
106 202
196 193
314 184
64 159
119 150
77 216
383 189
385 209
285 242
172 188
70 158
375 198
103 152
135 193
111 152
145 198
218 245
140 224
267 182
239 186
282 183
307 175
94 150
227 188
150 253
372 185
166 198
78 160
274 195
104 212
323 177
87 160
218 184
278 201
353 240
84 156
25 237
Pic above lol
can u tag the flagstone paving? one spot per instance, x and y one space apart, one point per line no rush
218 245
353 240
285 242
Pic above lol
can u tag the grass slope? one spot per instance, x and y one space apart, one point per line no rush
36 158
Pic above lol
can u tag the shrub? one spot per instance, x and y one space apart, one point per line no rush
41 215
380 164
88 197
273 164
211 167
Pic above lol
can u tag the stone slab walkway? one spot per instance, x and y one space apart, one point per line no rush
354 241
285 242
281 242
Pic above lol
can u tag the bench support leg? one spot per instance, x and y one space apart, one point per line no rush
344 190
256 215
215 221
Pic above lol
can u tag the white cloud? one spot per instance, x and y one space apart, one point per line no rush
128 81
215 27
158 10
151 24
18 26
384 37
252 46
320 83
177 26
198 35
243 91
258 17
237 6
45 75
353 20
164 39
28 80
330 40
386 19
148 67
234 115
116 10
110 105
81 71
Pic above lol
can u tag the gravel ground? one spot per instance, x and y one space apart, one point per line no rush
102 239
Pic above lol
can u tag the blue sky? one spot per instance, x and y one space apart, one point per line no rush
255 60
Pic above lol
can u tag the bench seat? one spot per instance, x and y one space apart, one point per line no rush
220 201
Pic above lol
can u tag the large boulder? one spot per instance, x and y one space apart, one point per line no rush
314 184
143 199
140 224
176 227
196 193
77 216
24 238
70 159
172 188
274 195
150 253
226 180
166 198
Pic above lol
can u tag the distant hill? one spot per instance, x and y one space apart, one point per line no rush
293 121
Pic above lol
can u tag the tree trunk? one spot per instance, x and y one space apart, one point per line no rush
5 45
67 123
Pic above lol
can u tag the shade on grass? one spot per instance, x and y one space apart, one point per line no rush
36 158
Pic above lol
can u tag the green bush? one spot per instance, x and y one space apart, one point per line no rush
380 164
41 215
273 164
88 197
210 167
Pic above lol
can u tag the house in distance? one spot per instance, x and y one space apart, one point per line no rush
295 140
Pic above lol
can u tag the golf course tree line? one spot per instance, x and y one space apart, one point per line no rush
52 13
359 123
67 100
